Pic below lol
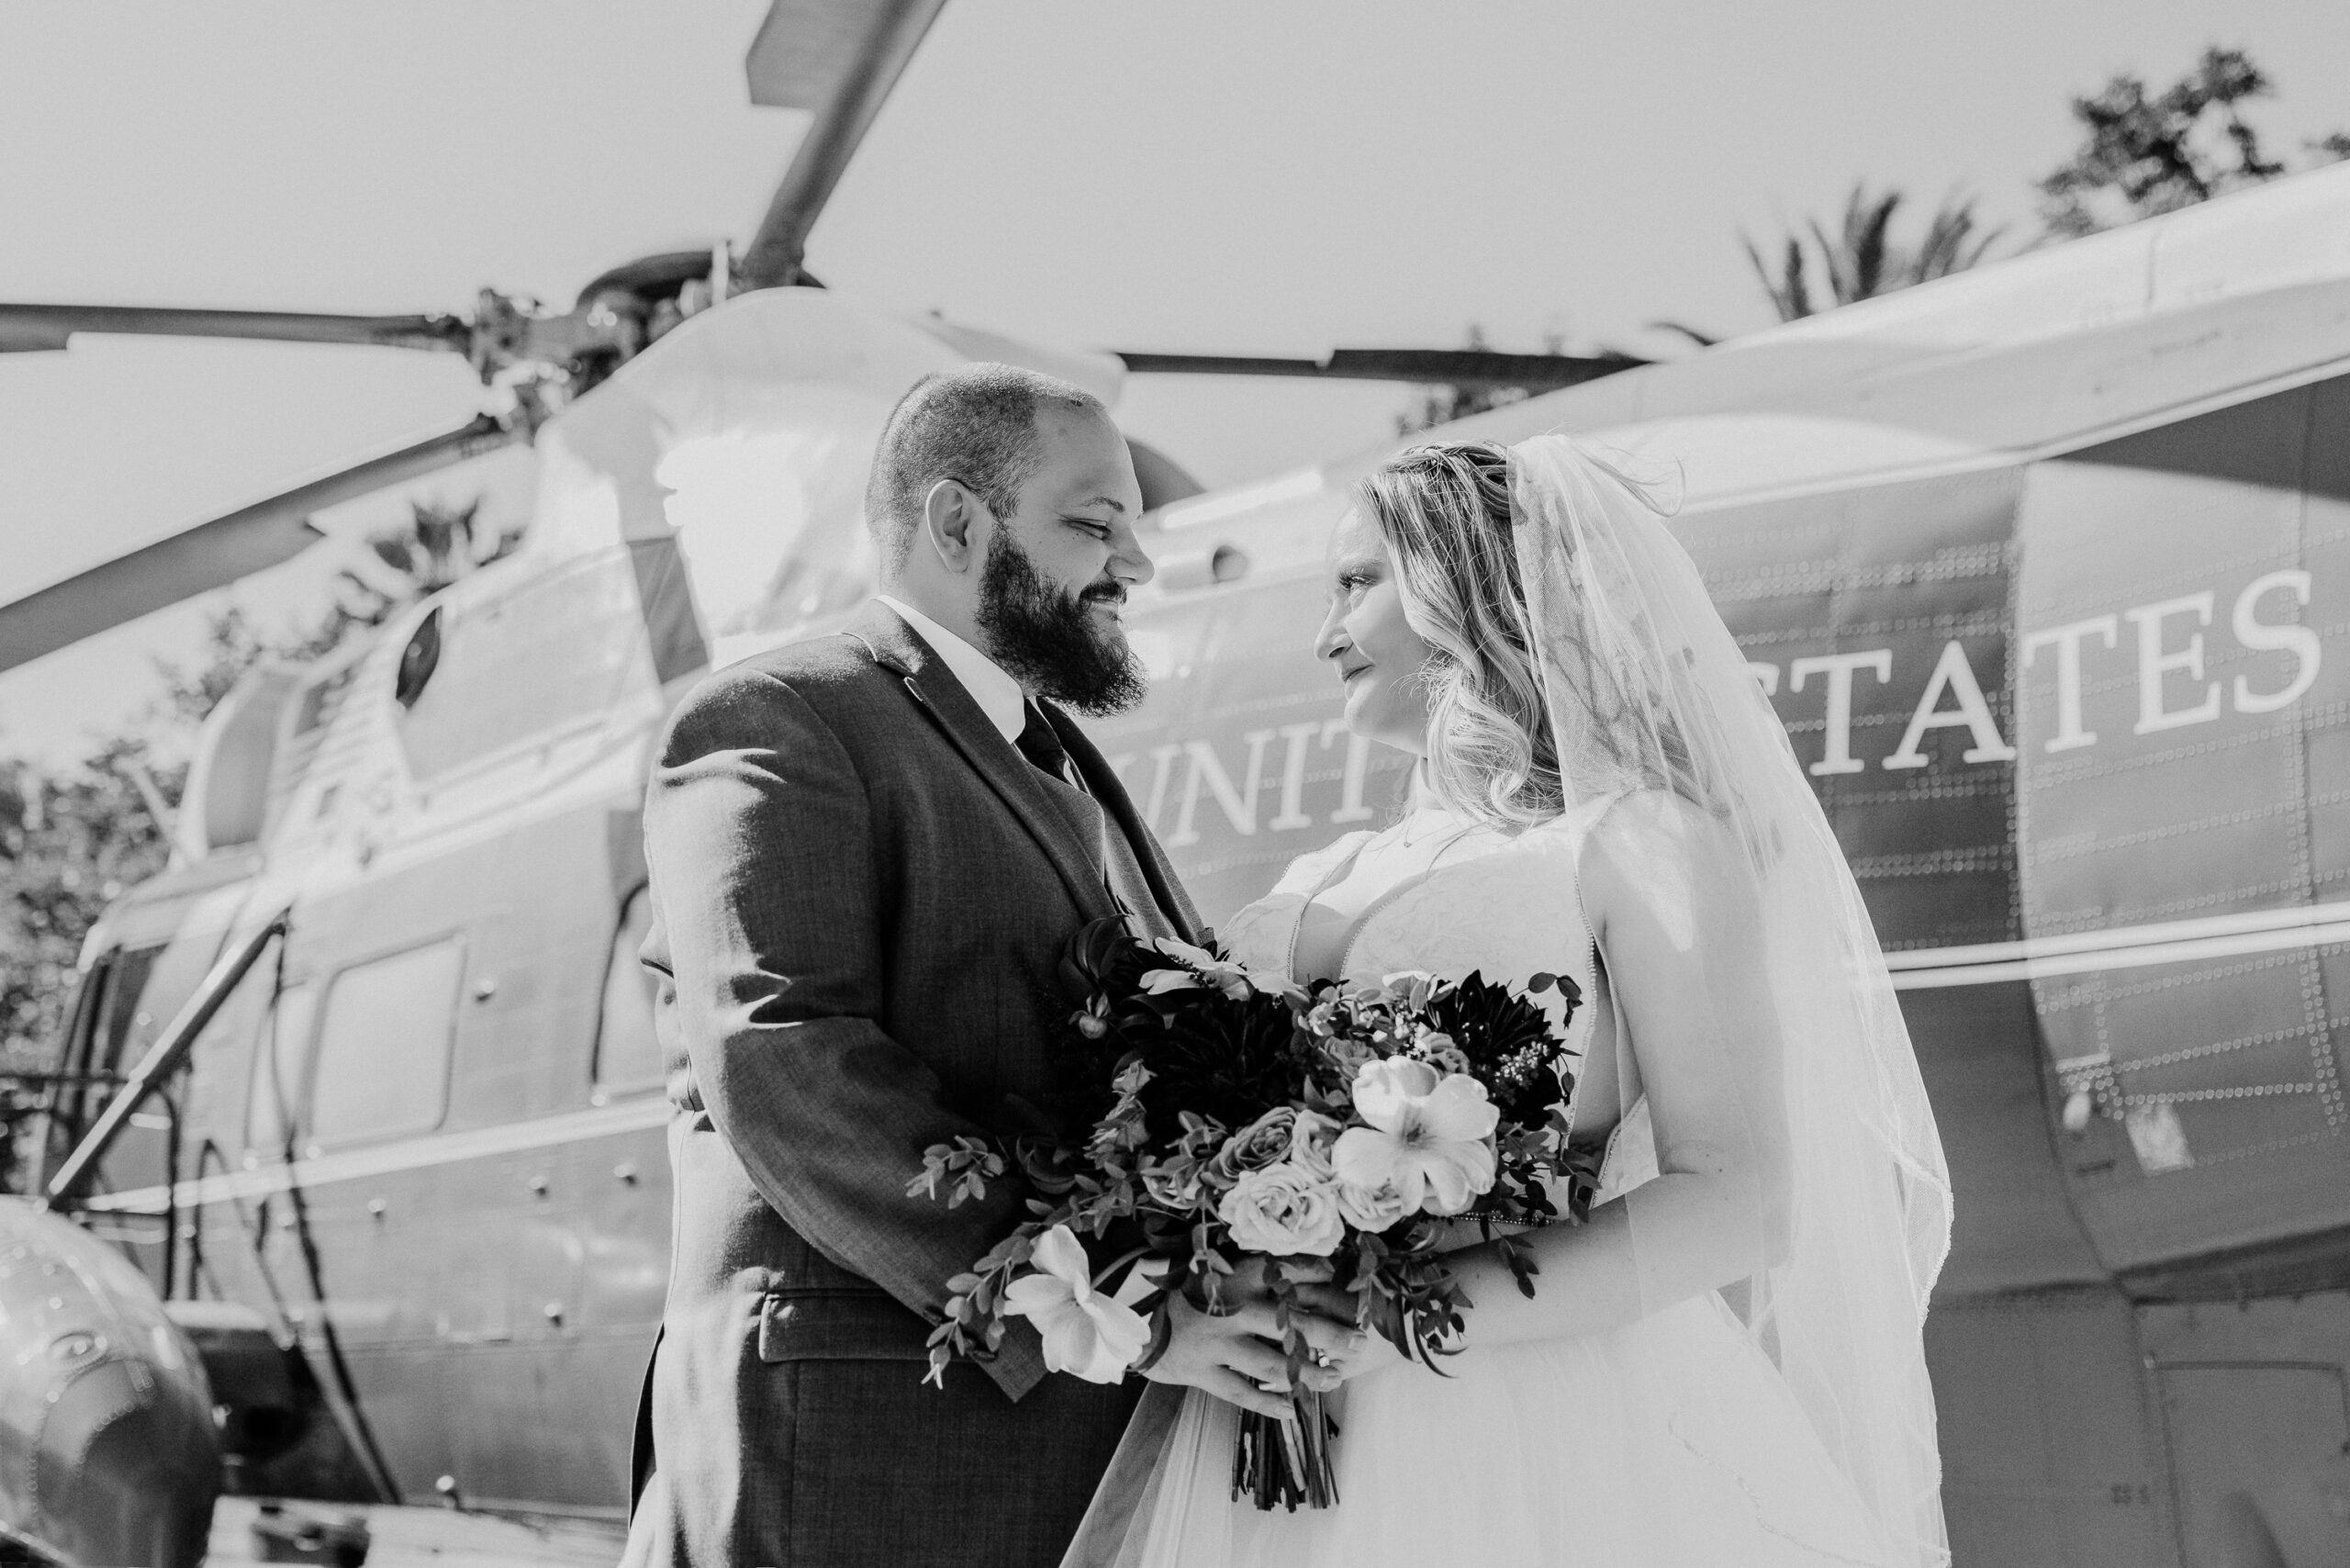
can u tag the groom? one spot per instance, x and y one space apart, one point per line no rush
868 852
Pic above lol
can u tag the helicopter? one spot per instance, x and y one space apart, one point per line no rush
2041 565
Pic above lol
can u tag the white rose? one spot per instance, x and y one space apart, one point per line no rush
1282 1211
1311 1138
1371 1209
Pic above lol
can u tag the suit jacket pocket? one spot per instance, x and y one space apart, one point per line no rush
840 1326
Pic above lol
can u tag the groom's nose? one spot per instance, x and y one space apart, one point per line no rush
1129 563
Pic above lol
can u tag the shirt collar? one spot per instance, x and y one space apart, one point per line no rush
998 695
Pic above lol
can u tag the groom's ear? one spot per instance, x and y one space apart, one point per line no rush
950 523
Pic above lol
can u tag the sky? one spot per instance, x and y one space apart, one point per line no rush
1215 175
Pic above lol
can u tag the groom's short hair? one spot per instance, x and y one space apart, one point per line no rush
976 423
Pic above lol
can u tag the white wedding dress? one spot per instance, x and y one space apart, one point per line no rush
1670 1442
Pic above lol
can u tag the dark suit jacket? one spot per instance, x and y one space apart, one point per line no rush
861 892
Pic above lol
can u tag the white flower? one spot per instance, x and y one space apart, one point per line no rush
1283 1212
1430 1137
1410 988
1094 1336
1310 1140
1204 969
1175 948
1371 1209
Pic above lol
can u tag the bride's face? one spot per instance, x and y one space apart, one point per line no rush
1373 650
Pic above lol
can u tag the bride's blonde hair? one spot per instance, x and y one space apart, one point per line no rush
1444 511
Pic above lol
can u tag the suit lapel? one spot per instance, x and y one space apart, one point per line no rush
896 647
1113 797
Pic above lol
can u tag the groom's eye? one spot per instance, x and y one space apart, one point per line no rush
1098 529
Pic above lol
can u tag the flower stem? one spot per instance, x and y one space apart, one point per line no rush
1285 1461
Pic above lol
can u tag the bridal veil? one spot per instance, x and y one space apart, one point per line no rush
1646 690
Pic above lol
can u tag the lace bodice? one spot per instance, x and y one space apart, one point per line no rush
1508 905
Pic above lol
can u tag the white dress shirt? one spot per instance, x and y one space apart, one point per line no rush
998 695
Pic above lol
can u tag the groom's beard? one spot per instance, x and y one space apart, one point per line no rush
1049 641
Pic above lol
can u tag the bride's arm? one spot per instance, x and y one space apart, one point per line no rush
1676 911
1676 914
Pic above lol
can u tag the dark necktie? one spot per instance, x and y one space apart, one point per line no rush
1040 745
1122 874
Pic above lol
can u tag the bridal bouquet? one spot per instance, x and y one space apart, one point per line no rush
1222 1117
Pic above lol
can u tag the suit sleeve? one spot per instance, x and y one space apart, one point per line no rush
759 838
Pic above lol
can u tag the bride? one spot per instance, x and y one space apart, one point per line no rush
1724 1365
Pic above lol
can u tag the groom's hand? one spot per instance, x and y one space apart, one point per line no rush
1236 1354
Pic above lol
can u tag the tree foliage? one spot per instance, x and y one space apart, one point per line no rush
2144 153
71 844
1862 259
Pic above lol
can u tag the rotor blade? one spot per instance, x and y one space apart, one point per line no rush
1458 367
24 328
215 553
837 59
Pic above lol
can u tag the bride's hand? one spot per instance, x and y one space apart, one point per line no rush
1356 1351
1235 1353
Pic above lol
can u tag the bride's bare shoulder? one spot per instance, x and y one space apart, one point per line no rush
1653 842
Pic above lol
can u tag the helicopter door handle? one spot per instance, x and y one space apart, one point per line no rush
1210 567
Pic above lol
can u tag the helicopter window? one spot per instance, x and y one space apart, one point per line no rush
628 1054
119 1010
281 1043
383 1058
419 660
553 652
100 1042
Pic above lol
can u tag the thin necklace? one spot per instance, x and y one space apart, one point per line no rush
1445 820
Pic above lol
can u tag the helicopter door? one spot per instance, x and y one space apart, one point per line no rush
279 1064
349 1070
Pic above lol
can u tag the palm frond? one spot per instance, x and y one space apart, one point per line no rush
1861 265
1951 243
1789 290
